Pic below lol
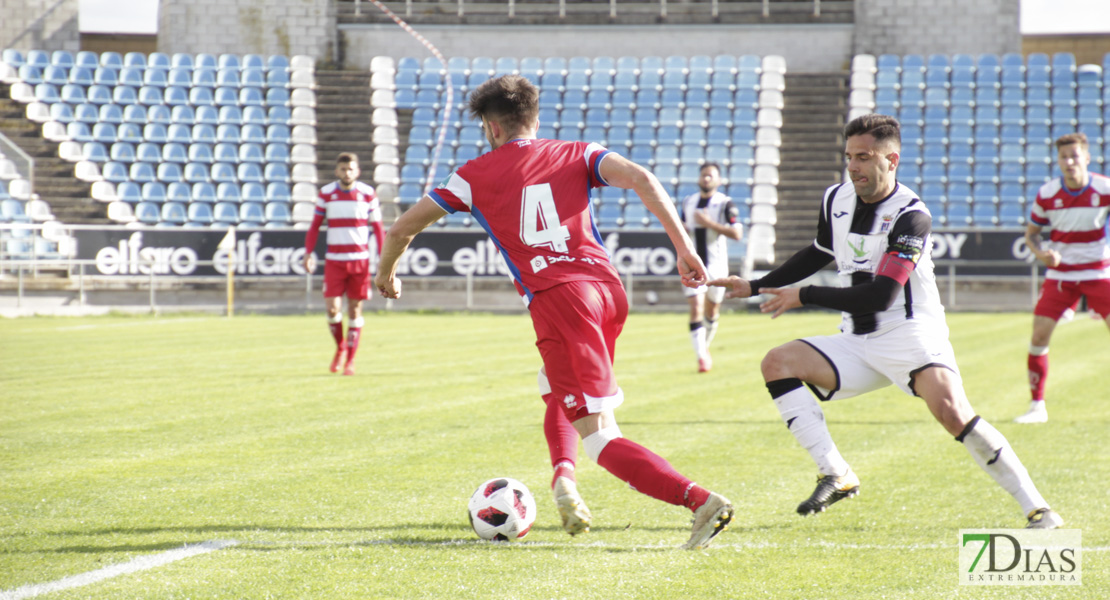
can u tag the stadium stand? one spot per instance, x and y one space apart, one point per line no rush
671 113
156 121
983 125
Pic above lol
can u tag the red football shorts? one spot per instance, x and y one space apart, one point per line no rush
1057 296
347 277
577 325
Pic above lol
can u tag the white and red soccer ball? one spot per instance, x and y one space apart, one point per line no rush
502 509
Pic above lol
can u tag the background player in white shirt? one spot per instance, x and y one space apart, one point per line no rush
710 218
893 330
1075 208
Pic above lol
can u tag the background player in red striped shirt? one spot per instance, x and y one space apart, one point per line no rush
1077 255
533 198
351 210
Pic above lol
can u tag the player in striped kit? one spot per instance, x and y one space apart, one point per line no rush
351 211
1077 255
710 218
533 198
878 233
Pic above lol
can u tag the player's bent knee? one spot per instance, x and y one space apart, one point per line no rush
596 442
775 364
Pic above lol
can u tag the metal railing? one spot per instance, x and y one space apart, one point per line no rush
470 292
709 10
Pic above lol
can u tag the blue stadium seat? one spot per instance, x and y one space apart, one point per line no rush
178 192
984 214
278 214
199 214
141 172
986 172
204 191
278 192
119 151
104 132
228 191
129 191
154 191
226 213
205 78
222 173
253 191
1011 215
63 113
148 152
95 151
226 152
148 213
277 172
78 132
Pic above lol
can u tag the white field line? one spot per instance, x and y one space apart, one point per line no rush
607 545
141 563
143 322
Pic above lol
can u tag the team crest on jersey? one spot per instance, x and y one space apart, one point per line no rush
335 196
539 263
1059 203
885 227
1095 200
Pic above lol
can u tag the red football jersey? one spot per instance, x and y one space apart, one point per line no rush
533 198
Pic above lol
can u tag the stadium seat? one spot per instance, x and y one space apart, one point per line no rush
173 214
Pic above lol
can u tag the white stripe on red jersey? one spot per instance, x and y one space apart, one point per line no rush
1078 223
347 214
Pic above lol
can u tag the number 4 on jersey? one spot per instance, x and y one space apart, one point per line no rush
539 219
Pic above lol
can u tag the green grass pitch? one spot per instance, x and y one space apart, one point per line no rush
125 437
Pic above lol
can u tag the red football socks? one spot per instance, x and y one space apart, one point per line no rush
650 474
562 439
1038 372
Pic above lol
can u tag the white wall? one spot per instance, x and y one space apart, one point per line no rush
248 27
39 25
937 26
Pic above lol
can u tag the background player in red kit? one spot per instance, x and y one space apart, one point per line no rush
350 208
1074 206
533 198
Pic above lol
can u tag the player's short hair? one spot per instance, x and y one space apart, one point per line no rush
705 166
884 128
511 100
346 157
1073 138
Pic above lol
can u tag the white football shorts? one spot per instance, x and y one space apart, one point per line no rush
864 363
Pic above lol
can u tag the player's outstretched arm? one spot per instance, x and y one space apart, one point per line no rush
620 172
415 220
737 287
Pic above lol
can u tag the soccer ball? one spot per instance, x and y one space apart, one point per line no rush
501 509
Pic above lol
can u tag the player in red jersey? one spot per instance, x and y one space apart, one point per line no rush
351 211
1075 207
533 198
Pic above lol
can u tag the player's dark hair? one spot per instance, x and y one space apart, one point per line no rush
511 100
346 157
705 166
1072 138
883 128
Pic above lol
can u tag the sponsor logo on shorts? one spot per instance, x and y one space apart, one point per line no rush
570 401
